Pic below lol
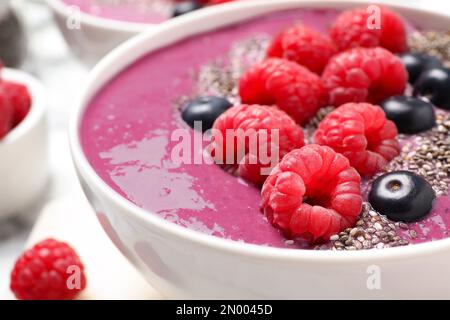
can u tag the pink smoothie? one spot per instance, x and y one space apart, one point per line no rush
126 135
138 11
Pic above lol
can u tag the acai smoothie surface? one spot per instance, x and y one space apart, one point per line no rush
133 125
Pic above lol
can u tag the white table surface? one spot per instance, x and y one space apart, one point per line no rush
50 60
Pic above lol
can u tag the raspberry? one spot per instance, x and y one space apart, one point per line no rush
304 46
364 75
6 116
361 132
356 28
254 123
19 98
42 272
292 87
312 194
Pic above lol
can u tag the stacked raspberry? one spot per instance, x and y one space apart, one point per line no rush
373 26
15 103
314 191
245 134
362 133
312 194
364 75
304 46
290 86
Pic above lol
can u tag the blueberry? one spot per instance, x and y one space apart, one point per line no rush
402 196
435 85
410 115
204 109
184 7
416 63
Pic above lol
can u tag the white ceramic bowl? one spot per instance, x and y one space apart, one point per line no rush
95 36
185 264
24 152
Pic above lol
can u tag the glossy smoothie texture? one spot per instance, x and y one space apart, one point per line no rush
138 11
126 135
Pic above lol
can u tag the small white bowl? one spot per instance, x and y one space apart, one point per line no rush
24 152
182 263
96 36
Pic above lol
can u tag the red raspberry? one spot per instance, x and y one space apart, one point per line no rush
19 98
6 116
292 87
361 132
42 272
355 28
312 194
254 123
305 46
364 75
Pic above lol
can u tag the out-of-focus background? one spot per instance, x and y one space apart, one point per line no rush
49 59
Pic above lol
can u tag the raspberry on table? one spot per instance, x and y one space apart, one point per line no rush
42 272
312 194
292 87
304 46
19 98
6 116
358 28
364 75
255 123
363 134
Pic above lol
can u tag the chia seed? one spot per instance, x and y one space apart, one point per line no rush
428 155
373 231
220 77
434 43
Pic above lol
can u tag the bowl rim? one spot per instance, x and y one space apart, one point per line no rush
132 50
99 22
37 109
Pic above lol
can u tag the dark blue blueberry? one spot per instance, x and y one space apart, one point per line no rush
184 7
402 196
410 115
204 109
435 85
416 63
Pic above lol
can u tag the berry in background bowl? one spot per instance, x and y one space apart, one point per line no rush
23 141
207 227
92 28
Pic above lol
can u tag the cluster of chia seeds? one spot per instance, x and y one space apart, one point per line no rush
221 77
372 231
434 43
429 155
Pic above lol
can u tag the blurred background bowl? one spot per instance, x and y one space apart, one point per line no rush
91 37
24 152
